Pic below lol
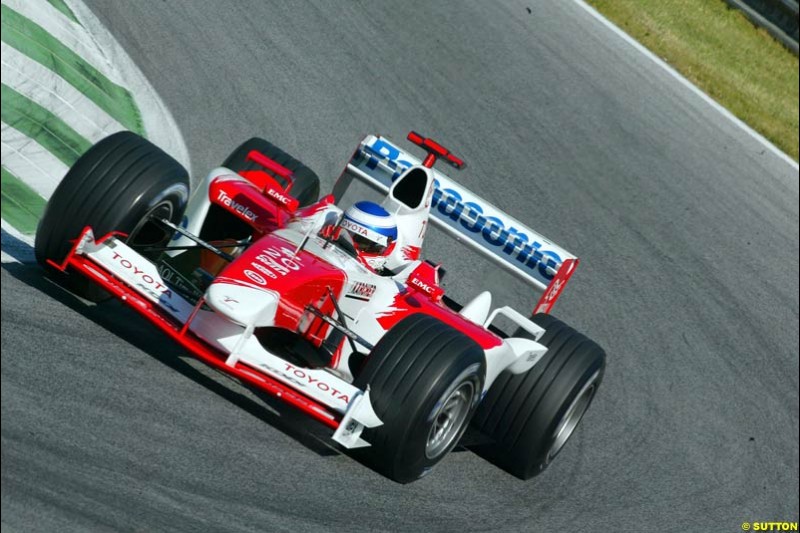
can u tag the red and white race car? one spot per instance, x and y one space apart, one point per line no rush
293 295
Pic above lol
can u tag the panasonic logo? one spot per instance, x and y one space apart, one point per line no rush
468 217
448 204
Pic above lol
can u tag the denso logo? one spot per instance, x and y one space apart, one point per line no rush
235 206
449 205
272 262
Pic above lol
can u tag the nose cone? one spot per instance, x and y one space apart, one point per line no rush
270 266
244 305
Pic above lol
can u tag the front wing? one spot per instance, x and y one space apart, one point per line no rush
128 276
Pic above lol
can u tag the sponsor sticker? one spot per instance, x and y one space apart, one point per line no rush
434 291
470 215
232 204
361 291
286 201
146 281
303 378
272 263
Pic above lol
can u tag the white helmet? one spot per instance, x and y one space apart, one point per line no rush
373 230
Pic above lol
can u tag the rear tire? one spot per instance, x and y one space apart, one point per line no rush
531 416
306 182
114 186
425 381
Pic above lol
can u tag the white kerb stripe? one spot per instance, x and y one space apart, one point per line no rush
159 123
71 35
55 94
675 74
31 162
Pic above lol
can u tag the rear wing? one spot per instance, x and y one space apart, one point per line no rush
468 218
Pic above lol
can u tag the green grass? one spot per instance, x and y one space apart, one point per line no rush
740 66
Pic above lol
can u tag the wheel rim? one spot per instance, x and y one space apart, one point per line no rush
168 204
449 417
147 232
573 415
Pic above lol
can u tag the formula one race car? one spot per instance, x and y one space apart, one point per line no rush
330 309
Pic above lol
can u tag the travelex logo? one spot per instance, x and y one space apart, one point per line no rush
449 206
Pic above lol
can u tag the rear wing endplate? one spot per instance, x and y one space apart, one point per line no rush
469 218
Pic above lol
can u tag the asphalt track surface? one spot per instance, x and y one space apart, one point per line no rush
687 229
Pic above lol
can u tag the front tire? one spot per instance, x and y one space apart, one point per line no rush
425 381
531 416
115 186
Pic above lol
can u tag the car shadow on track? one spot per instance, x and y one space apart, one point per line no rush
126 324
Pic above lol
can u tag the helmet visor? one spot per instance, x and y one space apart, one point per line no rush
367 246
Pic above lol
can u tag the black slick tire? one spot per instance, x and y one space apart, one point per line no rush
531 416
113 186
423 375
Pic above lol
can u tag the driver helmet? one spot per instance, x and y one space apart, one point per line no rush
373 230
